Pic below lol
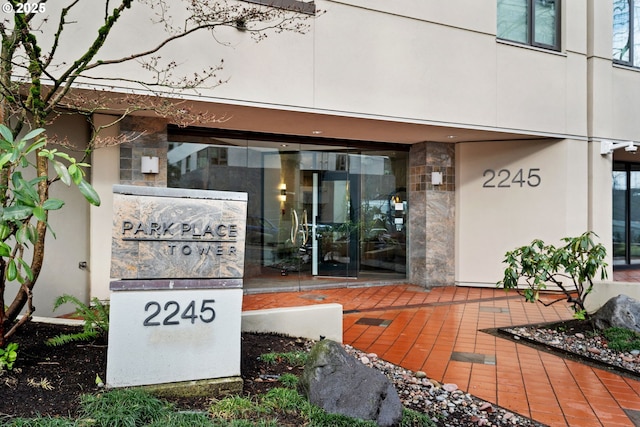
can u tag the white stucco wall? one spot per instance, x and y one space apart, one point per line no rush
493 220
61 273
105 173
415 60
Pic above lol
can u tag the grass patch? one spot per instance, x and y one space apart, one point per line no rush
42 422
138 408
622 339
289 380
235 407
295 358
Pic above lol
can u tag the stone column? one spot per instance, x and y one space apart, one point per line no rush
432 215
148 137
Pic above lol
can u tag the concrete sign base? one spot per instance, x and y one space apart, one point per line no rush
174 335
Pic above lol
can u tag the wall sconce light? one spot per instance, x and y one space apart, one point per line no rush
607 147
150 164
436 178
283 193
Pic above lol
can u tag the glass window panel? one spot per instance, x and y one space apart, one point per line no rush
513 18
546 15
635 54
619 216
621 33
634 217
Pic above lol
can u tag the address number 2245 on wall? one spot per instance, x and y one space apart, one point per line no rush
507 178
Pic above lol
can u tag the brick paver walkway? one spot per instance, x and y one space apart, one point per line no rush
440 332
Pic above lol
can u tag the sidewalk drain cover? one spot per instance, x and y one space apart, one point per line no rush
373 322
634 416
314 297
487 309
484 359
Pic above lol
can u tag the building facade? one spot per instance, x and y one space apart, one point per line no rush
411 141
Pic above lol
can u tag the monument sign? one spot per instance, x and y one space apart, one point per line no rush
176 306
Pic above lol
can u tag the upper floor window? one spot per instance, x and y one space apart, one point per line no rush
626 32
532 22
295 5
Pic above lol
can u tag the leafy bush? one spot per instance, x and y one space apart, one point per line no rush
578 262
8 356
95 316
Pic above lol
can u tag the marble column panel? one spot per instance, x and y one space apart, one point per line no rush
146 137
432 215
177 238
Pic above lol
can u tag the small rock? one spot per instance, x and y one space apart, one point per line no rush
635 352
449 387
365 360
594 350
421 374
580 336
486 406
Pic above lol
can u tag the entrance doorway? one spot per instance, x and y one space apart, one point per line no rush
317 215
324 226
626 214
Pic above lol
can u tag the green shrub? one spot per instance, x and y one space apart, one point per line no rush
8 356
95 316
577 262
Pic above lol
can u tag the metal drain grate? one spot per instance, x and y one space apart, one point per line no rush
373 322
634 416
484 359
314 297
487 309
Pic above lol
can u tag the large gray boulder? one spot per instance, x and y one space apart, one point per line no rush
341 384
621 311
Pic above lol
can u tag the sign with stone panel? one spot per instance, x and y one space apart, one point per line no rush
176 233
176 307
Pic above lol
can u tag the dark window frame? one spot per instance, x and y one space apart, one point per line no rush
308 8
531 22
631 41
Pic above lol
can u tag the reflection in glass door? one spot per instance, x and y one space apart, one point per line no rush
316 214
335 225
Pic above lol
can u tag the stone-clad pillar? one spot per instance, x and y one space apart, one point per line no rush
148 137
432 215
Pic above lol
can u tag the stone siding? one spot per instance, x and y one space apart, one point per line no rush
432 215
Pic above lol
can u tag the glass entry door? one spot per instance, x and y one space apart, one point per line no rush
335 227
626 214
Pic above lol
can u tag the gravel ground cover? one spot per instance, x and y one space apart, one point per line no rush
444 403
579 340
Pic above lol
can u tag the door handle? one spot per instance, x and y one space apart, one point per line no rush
294 227
305 229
